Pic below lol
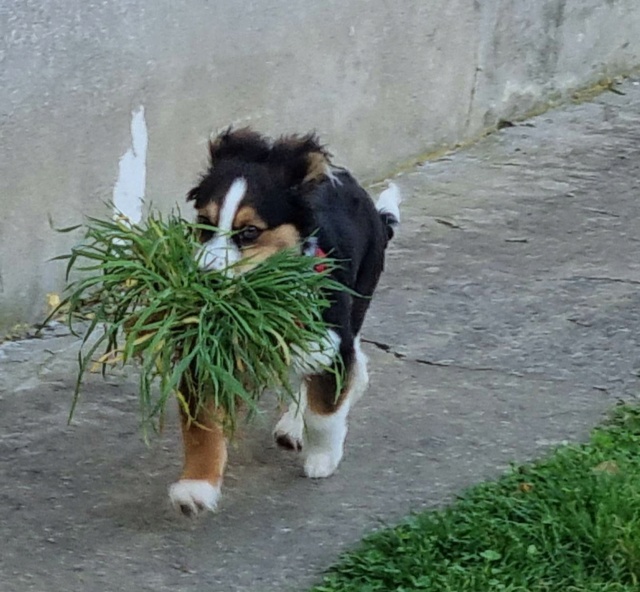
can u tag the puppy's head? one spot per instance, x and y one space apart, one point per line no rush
252 199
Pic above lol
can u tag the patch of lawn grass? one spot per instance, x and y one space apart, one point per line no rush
568 523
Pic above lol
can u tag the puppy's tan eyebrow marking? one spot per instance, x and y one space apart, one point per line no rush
247 216
209 214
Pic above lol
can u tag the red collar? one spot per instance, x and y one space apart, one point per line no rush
320 267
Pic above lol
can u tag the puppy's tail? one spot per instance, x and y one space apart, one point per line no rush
388 206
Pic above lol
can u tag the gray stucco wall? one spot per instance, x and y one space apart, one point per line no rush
379 80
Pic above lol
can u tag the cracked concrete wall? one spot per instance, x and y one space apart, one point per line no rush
381 81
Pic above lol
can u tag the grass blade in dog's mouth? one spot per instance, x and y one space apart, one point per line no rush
221 337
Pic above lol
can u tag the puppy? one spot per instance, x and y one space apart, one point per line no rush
261 197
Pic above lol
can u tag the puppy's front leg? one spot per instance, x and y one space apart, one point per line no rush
205 456
326 416
289 431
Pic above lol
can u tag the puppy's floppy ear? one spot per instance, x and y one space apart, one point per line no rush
243 144
302 159
193 193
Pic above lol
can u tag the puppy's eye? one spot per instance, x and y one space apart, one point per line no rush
248 235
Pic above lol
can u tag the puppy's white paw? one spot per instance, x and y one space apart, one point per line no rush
288 431
320 464
191 496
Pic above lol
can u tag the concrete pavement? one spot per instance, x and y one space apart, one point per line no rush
507 322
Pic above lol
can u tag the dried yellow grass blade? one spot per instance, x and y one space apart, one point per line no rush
111 357
144 338
283 345
191 321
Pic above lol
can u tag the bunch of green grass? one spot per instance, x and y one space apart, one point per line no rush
218 336
569 523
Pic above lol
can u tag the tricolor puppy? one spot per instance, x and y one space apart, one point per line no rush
260 197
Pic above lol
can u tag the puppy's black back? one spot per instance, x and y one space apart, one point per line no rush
351 230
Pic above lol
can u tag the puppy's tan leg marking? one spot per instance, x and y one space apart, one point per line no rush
205 457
